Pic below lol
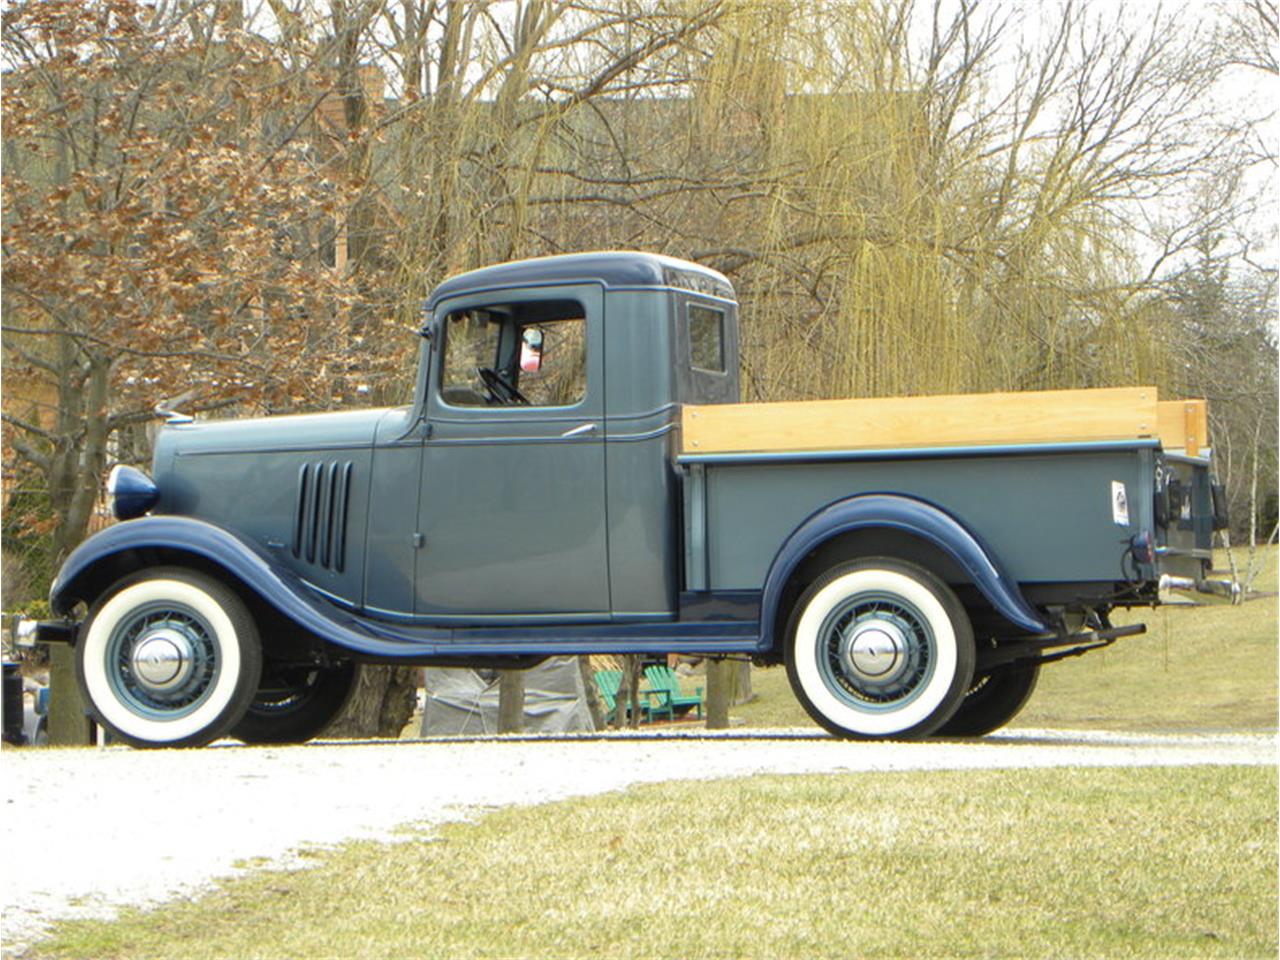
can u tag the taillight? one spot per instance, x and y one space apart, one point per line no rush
1143 548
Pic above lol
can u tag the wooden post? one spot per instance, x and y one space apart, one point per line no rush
69 726
510 701
742 692
719 692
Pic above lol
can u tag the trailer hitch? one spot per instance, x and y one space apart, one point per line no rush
1036 650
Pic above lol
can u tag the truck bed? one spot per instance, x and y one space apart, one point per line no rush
966 420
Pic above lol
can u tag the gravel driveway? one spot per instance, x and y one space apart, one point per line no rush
138 827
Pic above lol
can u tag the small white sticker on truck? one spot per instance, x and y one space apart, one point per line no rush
1119 504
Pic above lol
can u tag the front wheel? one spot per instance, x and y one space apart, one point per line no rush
168 658
880 648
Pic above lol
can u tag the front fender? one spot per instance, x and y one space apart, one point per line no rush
76 580
89 570
906 515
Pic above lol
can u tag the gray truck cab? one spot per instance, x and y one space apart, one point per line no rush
546 404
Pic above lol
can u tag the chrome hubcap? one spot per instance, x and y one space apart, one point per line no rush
874 650
161 659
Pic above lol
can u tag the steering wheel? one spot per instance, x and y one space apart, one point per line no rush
499 389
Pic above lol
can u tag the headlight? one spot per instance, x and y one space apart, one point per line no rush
130 492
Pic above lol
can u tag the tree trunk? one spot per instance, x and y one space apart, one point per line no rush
594 705
380 706
68 724
629 690
510 701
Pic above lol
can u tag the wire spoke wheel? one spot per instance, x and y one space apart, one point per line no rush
164 660
168 657
880 648
877 651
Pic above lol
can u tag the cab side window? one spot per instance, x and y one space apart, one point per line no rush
558 377
515 354
706 338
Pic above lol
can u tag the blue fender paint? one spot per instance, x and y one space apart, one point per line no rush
293 598
907 515
279 587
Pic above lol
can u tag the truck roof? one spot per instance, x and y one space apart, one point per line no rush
614 269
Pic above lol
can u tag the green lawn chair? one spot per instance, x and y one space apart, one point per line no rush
608 683
664 682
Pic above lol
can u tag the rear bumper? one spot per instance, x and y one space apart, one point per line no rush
1174 589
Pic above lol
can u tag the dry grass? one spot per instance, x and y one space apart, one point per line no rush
1041 863
1197 668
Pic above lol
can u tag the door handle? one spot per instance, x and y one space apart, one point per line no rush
579 431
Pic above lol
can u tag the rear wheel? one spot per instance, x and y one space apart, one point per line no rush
992 702
294 704
168 658
880 648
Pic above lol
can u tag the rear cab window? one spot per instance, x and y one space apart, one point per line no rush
706 349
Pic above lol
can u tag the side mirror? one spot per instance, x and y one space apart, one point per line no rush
531 350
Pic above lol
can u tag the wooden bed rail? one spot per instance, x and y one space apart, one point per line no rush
1183 425
986 419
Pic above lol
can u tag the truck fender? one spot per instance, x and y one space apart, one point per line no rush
95 565
907 515
88 563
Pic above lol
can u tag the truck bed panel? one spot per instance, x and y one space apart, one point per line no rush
1067 530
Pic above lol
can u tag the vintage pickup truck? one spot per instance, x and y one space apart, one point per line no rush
576 474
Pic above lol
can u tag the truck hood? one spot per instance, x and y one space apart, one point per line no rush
315 431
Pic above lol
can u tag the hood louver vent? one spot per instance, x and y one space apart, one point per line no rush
320 516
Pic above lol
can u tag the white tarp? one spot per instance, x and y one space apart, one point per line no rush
465 702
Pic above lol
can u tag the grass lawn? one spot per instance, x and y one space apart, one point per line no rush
1040 863
1196 668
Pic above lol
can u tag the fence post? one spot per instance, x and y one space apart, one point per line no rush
510 701
720 676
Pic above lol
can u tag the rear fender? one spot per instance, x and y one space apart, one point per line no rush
904 515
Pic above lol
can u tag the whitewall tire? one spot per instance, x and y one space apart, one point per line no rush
880 648
168 658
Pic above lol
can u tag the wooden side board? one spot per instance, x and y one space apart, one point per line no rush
1183 425
1049 416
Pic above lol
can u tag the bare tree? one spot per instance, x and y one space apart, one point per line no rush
159 233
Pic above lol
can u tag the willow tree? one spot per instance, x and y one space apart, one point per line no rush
895 188
918 200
